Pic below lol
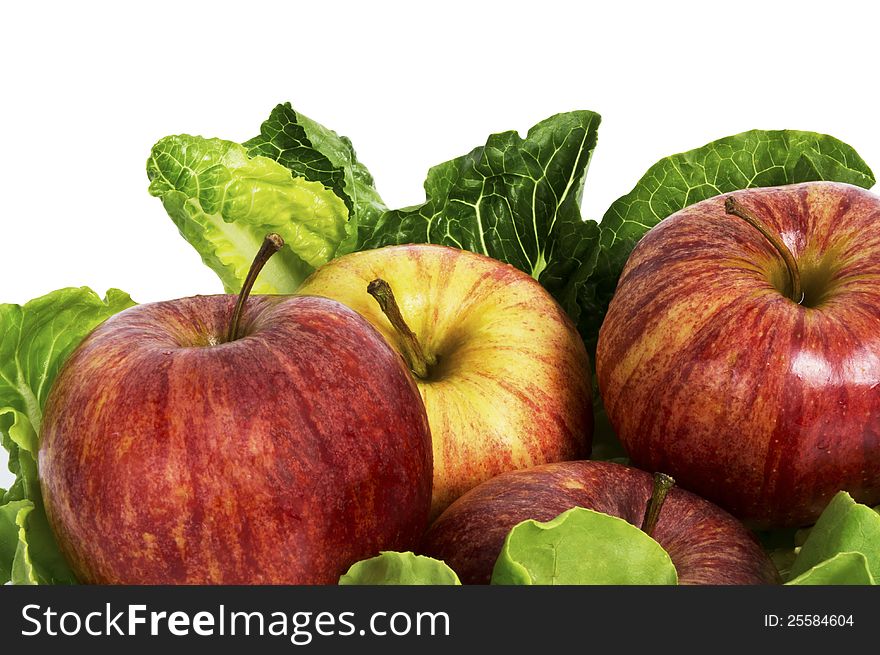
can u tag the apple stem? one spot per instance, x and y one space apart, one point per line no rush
662 485
271 244
415 355
736 208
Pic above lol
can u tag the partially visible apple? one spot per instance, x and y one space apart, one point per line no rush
180 447
502 370
741 351
705 543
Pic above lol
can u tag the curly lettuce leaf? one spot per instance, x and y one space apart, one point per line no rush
318 154
225 201
514 199
758 158
35 340
12 514
845 526
393 568
582 547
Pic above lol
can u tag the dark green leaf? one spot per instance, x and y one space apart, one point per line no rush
318 154
606 445
757 158
516 200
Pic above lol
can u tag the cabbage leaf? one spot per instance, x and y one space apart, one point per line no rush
35 340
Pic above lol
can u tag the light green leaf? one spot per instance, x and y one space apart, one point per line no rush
392 568
849 568
514 199
19 439
224 202
844 526
28 552
22 571
35 341
758 158
583 547
10 544
310 150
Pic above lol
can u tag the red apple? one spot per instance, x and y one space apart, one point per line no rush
503 372
706 544
747 365
171 454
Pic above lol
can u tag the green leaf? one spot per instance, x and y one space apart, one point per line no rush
844 526
35 341
224 202
606 445
37 338
10 544
757 158
781 545
514 199
849 568
583 547
318 154
392 568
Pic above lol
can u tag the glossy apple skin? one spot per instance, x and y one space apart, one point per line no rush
281 457
512 384
709 373
706 544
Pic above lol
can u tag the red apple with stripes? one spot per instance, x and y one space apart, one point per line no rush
502 370
706 544
192 442
741 351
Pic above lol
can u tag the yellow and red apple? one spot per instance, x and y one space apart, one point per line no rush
503 373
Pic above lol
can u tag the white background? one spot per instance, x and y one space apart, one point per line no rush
88 88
